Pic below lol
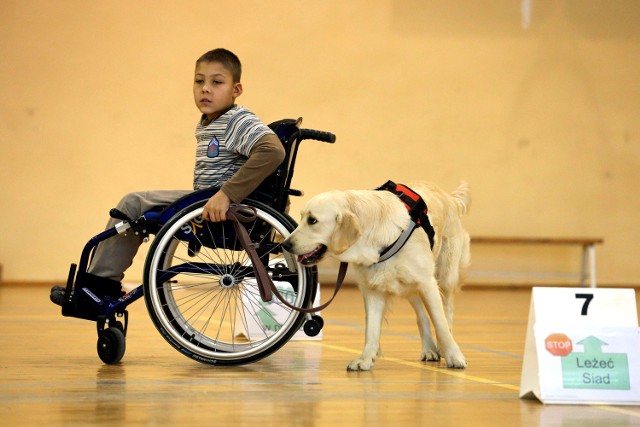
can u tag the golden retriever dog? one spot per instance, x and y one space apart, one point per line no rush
354 226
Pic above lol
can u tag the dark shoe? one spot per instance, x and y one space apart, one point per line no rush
81 304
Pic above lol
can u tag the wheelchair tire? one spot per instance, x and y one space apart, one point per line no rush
206 303
111 345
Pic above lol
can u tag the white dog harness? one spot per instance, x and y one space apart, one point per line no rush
418 212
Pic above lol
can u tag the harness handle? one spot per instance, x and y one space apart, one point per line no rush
242 213
416 206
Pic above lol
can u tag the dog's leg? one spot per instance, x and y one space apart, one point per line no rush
374 305
448 279
447 300
429 349
430 295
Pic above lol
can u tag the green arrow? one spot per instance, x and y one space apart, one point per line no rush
594 369
592 344
266 317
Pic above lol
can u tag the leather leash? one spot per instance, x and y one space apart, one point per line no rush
242 213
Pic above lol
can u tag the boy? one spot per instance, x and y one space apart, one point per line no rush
235 151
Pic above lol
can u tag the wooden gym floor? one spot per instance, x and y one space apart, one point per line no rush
50 373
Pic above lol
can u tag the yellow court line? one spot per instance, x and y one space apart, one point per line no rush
452 373
459 374
618 410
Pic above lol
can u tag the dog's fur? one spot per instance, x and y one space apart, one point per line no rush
354 226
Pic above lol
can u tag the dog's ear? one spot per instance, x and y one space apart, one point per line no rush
346 232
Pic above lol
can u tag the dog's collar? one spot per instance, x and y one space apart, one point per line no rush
417 209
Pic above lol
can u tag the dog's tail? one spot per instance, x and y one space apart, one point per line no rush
462 198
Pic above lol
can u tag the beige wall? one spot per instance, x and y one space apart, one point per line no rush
543 123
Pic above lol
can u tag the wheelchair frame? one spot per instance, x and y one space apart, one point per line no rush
270 202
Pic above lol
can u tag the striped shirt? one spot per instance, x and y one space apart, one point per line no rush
223 146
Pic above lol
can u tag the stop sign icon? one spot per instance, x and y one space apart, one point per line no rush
558 344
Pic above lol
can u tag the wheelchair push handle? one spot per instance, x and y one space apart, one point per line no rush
317 135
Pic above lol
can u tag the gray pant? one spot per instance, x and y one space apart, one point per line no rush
113 256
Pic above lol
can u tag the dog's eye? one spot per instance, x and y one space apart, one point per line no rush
311 220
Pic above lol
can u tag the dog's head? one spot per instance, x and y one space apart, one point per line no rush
327 226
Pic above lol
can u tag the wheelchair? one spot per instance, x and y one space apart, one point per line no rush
199 284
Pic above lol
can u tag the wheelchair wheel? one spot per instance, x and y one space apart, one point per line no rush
111 345
201 293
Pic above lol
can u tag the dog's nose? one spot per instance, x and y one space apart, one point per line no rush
287 245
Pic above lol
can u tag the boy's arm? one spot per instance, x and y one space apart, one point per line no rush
264 158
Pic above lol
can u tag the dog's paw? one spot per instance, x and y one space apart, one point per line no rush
360 364
429 356
456 362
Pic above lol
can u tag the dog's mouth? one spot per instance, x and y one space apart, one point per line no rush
312 257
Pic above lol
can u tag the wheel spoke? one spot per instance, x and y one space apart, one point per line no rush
206 300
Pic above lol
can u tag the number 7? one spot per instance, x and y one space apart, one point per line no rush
587 300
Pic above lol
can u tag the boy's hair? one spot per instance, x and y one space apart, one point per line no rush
228 60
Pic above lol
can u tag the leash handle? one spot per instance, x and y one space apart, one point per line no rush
238 214
242 213
341 275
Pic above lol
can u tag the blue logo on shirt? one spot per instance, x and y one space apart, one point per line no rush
213 149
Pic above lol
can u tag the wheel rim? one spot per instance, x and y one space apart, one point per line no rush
204 310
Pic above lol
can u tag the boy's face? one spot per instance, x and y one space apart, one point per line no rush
214 90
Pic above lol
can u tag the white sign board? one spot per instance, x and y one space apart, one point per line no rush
582 347
269 316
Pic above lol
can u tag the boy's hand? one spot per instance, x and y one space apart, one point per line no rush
216 208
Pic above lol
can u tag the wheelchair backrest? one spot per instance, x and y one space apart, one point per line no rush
273 191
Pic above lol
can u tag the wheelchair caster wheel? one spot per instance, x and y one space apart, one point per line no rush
318 319
118 325
313 326
111 345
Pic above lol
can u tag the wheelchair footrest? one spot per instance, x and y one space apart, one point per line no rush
89 297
